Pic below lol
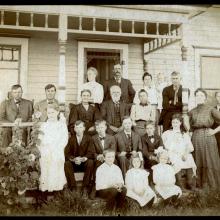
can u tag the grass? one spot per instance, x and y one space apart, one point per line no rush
69 204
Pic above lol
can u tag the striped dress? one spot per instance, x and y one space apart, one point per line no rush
205 147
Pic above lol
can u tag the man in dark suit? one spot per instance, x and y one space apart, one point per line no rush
114 110
127 89
150 142
16 110
41 107
172 101
101 142
128 143
84 112
79 158
217 135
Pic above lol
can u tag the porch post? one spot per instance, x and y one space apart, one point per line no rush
62 40
185 72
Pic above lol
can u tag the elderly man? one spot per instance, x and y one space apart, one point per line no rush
128 143
127 89
172 101
40 108
114 110
16 110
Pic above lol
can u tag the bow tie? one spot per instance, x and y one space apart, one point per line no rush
151 136
50 102
143 104
102 138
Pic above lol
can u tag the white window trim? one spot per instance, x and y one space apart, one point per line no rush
82 45
199 52
23 43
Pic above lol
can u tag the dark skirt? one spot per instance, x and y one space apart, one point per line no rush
206 158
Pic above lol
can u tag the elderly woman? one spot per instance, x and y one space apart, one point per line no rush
201 119
97 91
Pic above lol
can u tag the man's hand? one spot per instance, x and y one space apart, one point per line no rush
211 132
83 159
120 129
77 160
100 157
91 129
113 128
122 154
17 121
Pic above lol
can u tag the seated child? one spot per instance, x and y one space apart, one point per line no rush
136 181
164 177
54 138
109 181
150 142
179 146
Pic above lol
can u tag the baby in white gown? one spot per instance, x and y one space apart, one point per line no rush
164 176
53 141
136 181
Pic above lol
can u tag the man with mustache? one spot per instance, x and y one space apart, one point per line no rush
127 89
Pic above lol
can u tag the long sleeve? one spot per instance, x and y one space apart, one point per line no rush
165 102
90 154
128 180
145 147
133 113
103 111
131 91
30 112
73 117
3 112
100 94
216 115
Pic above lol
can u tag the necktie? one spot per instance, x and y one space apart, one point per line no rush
176 88
102 138
129 143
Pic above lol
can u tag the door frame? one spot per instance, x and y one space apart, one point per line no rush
82 45
23 72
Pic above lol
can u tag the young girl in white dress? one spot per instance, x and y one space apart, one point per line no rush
53 139
164 177
179 146
136 181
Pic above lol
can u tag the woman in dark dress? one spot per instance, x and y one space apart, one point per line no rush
201 119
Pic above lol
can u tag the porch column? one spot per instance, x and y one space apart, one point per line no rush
62 40
185 71
186 77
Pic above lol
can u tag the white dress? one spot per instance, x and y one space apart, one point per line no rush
136 181
164 180
96 90
51 148
179 145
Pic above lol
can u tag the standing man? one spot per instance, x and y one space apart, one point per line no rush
41 107
172 101
127 90
114 110
217 135
16 110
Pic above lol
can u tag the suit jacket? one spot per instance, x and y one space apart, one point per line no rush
107 111
78 112
9 110
168 96
122 141
149 147
85 149
109 143
127 90
42 107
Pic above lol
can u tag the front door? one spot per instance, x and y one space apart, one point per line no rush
103 62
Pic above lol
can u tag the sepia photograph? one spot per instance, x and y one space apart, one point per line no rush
110 110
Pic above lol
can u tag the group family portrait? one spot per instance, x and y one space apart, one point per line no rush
96 122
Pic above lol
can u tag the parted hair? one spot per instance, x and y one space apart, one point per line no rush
86 90
146 74
49 86
201 90
16 86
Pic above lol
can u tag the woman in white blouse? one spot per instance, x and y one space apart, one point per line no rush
95 88
136 181
180 148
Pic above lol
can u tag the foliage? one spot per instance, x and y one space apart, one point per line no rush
19 165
